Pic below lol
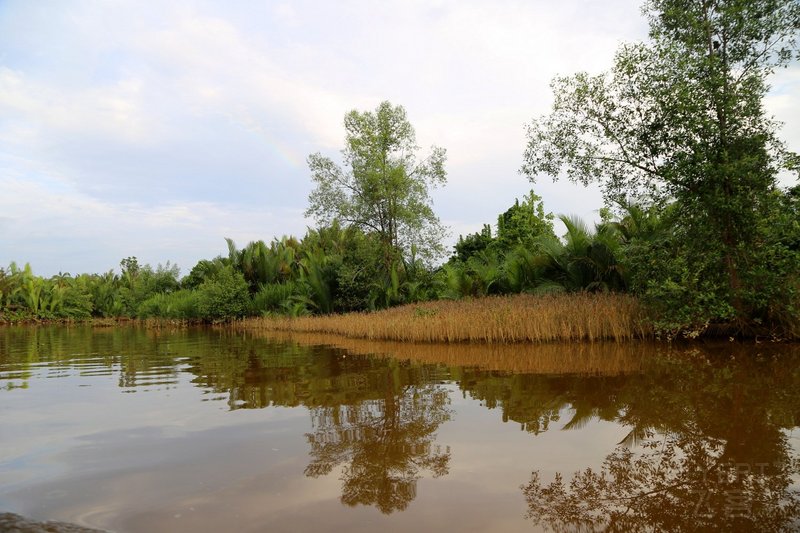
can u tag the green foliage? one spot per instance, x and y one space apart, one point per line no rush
773 281
259 264
383 187
71 298
480 275
361 266
224 296
106 295
526 256
337 270
514 261
675 133
130 269
318 275
680 120
140 291
138 283
332 269
524 224
5 287
525 269
28 291
272 298
203 270
25 295
163 279
183 304
473 243
679 289
682 288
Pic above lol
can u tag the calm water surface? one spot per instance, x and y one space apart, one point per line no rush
137 430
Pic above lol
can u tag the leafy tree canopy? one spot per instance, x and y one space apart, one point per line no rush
524 223
383 185
680 119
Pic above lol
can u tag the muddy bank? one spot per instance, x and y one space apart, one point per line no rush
14 523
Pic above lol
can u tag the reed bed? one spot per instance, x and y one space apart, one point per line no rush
505 319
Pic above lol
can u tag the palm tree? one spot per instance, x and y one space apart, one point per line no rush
584 259
521 269
318 274
638 222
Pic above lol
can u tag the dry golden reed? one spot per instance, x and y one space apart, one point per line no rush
505 319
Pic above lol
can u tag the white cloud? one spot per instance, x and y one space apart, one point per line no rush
64 230
39 109
155 129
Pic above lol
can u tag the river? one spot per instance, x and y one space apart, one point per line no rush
145 430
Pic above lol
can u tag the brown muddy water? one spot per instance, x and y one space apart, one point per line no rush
135 430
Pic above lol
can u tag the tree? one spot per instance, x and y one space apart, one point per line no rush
386 443
680 119
224 296
524 223
383 186
472 244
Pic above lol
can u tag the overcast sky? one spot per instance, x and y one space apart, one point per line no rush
156 129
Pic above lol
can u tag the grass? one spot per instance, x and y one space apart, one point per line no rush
507 319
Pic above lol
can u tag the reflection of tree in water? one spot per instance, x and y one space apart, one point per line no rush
677 483
385 444
376 416
707 450
690 420
537 401
132 353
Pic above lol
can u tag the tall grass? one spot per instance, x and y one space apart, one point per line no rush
506 319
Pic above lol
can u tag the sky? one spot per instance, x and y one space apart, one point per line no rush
157 129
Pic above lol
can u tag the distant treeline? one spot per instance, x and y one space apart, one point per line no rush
330 270
339 270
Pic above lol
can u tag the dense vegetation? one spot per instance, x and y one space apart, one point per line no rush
678 125
338 270
696 224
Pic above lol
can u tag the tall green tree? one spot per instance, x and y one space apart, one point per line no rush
680 119
383 186
524 223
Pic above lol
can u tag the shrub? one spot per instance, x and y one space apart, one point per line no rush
272 297
223 296
181 304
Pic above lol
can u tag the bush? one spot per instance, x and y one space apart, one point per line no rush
181 304
77 302
223 296
272 298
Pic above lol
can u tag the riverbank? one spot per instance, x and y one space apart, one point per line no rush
515 319
14 523
100 322
502 319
